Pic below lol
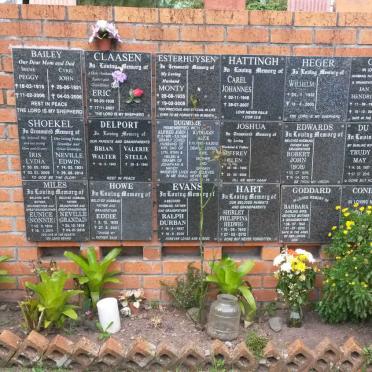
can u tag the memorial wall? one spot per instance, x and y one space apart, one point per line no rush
296 133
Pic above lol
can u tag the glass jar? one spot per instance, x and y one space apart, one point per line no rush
224 318
295 316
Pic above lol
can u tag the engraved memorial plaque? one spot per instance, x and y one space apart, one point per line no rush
120 210
56 210
48 82
119 150
249 212
253 152
360 92
313 153
358 154
52 149
106 101
316 89
308 212
252 87
181 76
178 211
361 194
182 145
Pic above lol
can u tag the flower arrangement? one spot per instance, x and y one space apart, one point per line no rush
131 300
104 30
296 277
119 77
135 95
347 286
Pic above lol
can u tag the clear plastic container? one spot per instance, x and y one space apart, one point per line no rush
224 318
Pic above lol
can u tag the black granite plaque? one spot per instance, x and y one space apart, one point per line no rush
181 76
52 149
358 154
252 87
360 93
185 147
48 82
361 194
120 210
253 152
119 150
178 211
249 212
313 153
56 210
316 89
308 212
105 101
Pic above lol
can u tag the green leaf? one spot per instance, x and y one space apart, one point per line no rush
246 267
80 261
71 313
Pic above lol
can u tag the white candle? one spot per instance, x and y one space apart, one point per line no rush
108 311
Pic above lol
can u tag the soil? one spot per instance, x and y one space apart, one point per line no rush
171 325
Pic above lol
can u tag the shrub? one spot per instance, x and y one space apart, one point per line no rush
347 291
95 273
229 277
256 344
188 289
4 277
267 5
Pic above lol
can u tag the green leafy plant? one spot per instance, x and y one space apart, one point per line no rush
229 277
49 305
347 289
188 289
96 273
218 365
104 334
4 277
367 357
256 344
267 5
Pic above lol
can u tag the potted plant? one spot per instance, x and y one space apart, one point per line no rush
104 34
131 300
296 277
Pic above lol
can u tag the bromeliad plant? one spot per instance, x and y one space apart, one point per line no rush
347 286
95 275
229 277
296 277
49 305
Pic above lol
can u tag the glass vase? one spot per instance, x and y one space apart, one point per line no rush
224 318
295 316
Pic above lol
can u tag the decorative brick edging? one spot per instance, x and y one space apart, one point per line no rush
142 355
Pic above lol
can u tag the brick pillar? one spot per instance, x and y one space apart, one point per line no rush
224 4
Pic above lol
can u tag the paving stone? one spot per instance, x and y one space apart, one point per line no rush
85 352
9 343
191 357
299 356
327 356
352 358
111 354
58 353
140 354
243 359
31 349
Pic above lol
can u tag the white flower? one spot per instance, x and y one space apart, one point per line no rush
308 255
102 24
286 267
279 259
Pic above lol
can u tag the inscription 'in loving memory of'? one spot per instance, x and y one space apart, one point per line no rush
289 124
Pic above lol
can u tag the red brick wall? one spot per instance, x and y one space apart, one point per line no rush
153 30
